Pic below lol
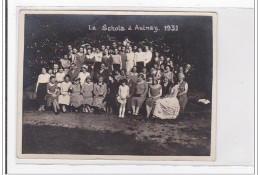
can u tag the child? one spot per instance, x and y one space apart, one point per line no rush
87 91
52 95
123 94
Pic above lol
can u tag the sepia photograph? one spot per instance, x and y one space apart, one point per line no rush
111 85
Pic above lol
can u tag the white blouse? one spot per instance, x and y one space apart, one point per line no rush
83 77
44 78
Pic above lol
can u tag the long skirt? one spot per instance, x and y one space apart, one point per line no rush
88 100
41 93
64 99
183 99
98 102
140 66
166 108
76 100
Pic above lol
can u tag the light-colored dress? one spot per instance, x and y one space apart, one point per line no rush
168 107
100 91
64 97
87 90
76 98
123 92
54 93
130 61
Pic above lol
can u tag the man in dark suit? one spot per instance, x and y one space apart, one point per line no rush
73 72
102 72
131 84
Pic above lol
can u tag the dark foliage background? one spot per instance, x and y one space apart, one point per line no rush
47 37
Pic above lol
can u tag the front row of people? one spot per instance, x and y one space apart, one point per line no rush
161 100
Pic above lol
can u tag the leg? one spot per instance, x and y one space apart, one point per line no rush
137 110
123 111
148 111
120 111
133 110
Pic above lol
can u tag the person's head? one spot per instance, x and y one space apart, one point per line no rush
122 71
73 66
162 67
119 48
135 47
103 48
127 45
61 70
123 49
116 51
155 81
94 49
162 58
188 66
140 77
156 66
111 78
157 54
168 59
103 66
69 48
107 47
65 57
74 50
77 81
43 70
134 69
128 75
171 62
84 68
89 51
106 51
144 70
52 79
114 44
50 71
100 79
181 69
97 50
146 48
152 69
181 76
150 79
151 49
81 49
67 78
130 49
55 66
139 49
123 82
167 68
88 80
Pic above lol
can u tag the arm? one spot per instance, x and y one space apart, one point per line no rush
95 90
105 91
149 92
145 91
37 84
120 62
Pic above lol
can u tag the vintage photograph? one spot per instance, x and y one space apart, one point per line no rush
117 85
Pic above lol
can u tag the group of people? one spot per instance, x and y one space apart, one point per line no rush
116 78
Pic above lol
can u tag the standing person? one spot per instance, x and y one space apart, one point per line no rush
73 55
98 59
139 95
117 61
139 60
131 84
87 91
69 49
154 93
55 69
64 97
60 76
166 85
89 59
76 98
130 56
182 92
134 74
84 74
65 63
169 74
80 57
102 72
41 88
123 57
156 59
123 94
168 107
52 95
108 61
73 72
145 73
148 58
112 90
100 91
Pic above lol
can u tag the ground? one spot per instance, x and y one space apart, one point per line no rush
100 134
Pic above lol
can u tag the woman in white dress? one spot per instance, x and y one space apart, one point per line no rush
84 74
64 97
168 107
130 56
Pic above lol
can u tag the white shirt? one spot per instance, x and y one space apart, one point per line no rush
44 78
98 56
148 56
139 57
83 77
60 76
